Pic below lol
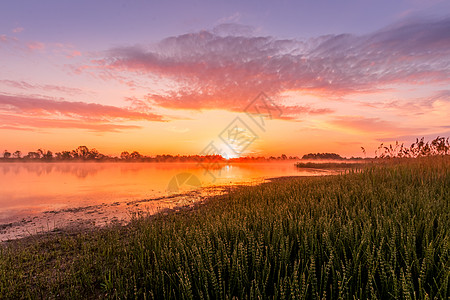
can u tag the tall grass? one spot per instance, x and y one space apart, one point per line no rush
380 233
420 148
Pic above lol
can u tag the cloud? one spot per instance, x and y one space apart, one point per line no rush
18 45
35 46
73 53
224 69
18 29
7 39
64 49
23 85
235 17
28 123
412 138
417 106
226 101
19 111
233 29
362 124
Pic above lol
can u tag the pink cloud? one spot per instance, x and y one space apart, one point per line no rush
45 87
7 127
63 49
87 110
219 70
370 125
66 49
416 106
74 53
18 29
34 46
32 123
195 100
7 39
45 113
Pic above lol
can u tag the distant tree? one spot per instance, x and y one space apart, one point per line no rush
125 155
93 154
102 156
66 155
322 156
6 154
48 155
82 152
283 157
135 155
33 155
44 154
17 154
40 152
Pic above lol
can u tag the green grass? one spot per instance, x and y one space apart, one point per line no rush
381 233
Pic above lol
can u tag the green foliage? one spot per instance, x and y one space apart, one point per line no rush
381 232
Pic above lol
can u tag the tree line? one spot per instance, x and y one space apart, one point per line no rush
332 156
438 146
83 153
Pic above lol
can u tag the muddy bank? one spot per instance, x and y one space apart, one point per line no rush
86 217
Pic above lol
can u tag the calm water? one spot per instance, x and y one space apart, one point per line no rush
29 191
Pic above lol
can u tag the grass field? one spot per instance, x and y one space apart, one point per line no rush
382 232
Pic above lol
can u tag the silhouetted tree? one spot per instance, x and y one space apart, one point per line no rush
40 152
6 154
17 154
125 155
82 152
66 155
48 155
135 155
33 155
93 154
322 156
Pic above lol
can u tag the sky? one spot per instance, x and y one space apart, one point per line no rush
236 78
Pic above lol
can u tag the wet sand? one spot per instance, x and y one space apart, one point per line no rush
88 217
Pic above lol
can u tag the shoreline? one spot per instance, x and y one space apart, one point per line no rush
98 216
93 217
126 211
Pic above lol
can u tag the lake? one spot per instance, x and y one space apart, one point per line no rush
37 197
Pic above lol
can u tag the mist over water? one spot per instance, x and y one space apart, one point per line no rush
31 190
